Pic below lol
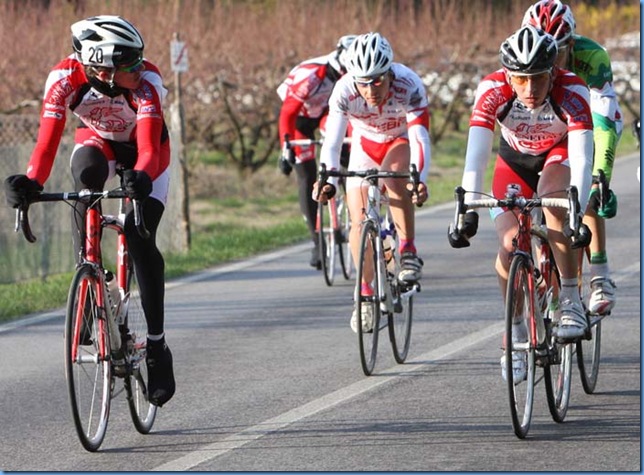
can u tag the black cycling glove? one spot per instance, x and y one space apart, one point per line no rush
137 184
286 162
580 239
18 188
469 229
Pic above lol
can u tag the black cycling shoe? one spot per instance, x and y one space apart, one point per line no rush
161 384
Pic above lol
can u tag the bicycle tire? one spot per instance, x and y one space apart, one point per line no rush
400 320
87 358
589 346
326 242
136 382
342 237
558 382
368 340
519 309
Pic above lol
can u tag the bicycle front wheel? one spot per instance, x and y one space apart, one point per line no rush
368 308
87 358
589 346
519 353
136 383
326 241
400 319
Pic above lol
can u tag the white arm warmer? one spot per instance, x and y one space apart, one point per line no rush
479 149
580 157
420 150
336 129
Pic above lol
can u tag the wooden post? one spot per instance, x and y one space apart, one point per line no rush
178 127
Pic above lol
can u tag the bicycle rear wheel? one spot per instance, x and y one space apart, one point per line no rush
558 379
368 336
326 241
136 383
342 236
400 320
87 358
518 345
589 346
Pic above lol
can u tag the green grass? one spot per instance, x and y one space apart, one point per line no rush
222 243
216 244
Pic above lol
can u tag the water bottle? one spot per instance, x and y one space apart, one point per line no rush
388 244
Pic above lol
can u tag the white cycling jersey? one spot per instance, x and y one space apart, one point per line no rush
403 114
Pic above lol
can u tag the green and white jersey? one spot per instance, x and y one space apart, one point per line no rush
590 61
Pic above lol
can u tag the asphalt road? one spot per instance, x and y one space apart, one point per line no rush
269 378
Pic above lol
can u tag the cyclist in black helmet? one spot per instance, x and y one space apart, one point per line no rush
546 145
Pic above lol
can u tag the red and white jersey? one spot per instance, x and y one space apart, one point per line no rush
565 114
136 116
533 132
305 92
404 113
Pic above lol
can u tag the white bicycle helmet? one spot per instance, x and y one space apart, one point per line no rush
106 41
342 50
553 17
529 51
369 55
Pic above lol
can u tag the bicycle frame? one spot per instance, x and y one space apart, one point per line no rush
95 326
391 297
540 348
91 254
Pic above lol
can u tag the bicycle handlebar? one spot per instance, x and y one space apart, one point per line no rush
370 175
22 213
571 203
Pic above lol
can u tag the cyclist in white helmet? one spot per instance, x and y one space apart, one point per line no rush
305 95
590 61
546 145
386 104
118 97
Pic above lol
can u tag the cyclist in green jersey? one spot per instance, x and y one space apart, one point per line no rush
590 61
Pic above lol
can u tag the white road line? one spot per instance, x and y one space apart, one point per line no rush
235 441
246 436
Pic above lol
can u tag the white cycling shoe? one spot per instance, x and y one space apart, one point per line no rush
602 297
519 358
367 318
573 323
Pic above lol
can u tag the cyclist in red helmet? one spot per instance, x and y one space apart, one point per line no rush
590 61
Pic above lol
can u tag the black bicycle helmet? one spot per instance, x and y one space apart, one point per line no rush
529 51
